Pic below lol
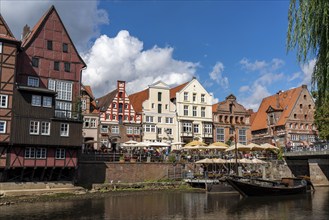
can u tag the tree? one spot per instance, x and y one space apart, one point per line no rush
308 32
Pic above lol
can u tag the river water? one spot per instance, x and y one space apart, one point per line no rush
176 205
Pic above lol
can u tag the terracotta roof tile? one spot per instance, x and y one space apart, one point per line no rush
177 89
88 90
104 102
214 107
137 100
284 101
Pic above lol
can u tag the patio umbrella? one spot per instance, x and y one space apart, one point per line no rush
269 146
245 160
219 160
129 143
206 160
218 143
177 143
158 144
196 143
256 147
240 147
258 161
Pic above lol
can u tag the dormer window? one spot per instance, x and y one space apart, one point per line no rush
33 81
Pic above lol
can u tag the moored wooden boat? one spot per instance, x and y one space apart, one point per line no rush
259 187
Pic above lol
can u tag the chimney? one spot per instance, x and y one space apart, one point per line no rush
304 86
26 31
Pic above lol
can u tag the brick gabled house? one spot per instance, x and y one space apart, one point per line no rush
9 47
286 119
229 117
118 119
47 119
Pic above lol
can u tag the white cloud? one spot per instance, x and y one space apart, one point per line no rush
294 76
244 88
81 18
217 75
258 92
307 70
123 58
261 66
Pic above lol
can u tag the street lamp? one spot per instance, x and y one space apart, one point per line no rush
235 149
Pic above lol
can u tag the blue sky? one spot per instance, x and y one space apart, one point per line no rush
234 47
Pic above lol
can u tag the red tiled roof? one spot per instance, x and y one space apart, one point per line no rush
284 101
104 102
7 35
137 99
177 89
88 90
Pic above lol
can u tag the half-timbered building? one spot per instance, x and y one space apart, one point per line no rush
47 120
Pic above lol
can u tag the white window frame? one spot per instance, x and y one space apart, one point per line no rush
185 96
83 104
130 130
105 142
45 128
196 129
60 154
47 101
3 101
136 130
169 120
86 122
194 111
93 123
187 127
159 119
169 130
33 81
149 119
104 128
115 130
3 127
0 47
41 153
203 98
185 110
243 136
208 128
203 112
36 100
29 153
34 127
64 129
149 128
220 134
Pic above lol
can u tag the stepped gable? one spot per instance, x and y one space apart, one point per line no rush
137 99
282 101
104 102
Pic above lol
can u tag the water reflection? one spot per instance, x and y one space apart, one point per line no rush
176 205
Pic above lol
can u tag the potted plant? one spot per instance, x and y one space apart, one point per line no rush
122 159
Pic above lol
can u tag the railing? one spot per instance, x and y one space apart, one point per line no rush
307 148
65 114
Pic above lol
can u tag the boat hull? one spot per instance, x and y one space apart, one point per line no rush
265 188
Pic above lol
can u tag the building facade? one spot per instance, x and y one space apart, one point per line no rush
158 113
119 122
286 119
90 113
230 117
194 112
47 119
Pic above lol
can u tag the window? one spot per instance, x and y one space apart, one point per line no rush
67 67
295 116
185 110
56 65
36 100
153 105
159 130
136 130
187 127
159 119
208 128
203 112
93 123
126 118
194 111
169 120
115 130
159 96
2 127
34 127
166 106
64 132
45 128
203 98
149 119
3 101
29 152
63 89
242 136
130 130
149 128
83 104
300 106
194 97
159 108
220 134
114 117
35 62
86 122
185 96
63 109
104 129
60 153
41 153
169 130
304 97
105 142
49 45
65 48
0 47
294 137
33 81
196 128
47 101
